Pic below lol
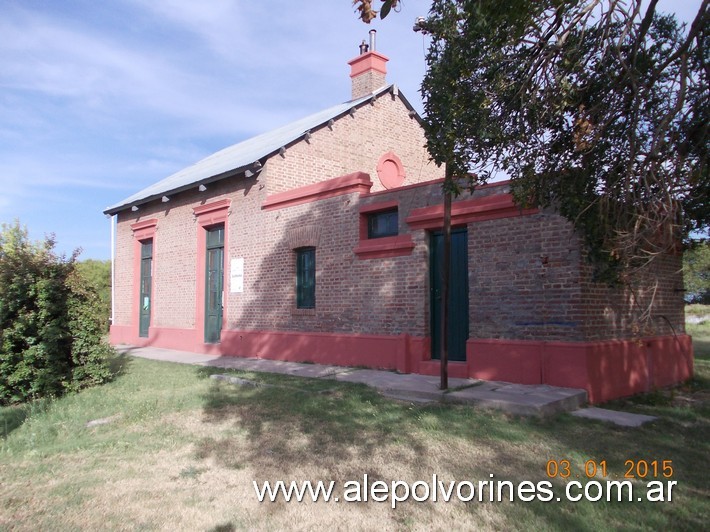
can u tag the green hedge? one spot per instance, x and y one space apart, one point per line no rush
51 331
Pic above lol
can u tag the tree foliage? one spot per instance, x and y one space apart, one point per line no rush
598 108
97 274
50 330
367 13
696 273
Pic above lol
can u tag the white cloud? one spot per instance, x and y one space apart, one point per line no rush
98 100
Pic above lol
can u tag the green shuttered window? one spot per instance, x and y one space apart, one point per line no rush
306 278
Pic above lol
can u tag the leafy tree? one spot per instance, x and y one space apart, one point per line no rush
97 273
88 320
597 108
696 273
50 330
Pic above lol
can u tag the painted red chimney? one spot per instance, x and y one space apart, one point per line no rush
368 71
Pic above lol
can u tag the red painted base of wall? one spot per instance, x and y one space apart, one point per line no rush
606 369
402 353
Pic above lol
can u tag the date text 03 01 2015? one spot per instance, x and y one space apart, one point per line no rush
633 469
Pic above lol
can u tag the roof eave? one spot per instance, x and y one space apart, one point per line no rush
110 211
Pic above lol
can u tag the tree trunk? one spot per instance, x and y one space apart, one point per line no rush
445 267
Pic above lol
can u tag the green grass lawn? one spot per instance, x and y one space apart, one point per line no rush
180 452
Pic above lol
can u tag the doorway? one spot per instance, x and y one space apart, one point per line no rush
458 293
214 284
145 287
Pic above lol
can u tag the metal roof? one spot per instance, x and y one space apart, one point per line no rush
243 156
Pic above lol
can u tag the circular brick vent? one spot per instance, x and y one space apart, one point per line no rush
390 170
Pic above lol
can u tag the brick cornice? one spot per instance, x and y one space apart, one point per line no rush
144 229
212 213
472 210
389 246
368 61
347 184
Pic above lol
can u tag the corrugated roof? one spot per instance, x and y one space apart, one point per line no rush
240 157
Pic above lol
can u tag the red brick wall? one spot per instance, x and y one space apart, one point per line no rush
651 305
527 277
355 144
174 256
378 296
366 83
524 279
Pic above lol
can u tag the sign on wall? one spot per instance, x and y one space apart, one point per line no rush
236 275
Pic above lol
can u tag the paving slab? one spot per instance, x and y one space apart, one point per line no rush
245 364
281 367
520 399
624 419
391 383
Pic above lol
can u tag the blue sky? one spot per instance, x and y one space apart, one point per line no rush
99 99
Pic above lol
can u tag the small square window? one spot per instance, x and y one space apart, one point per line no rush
383 223
306 278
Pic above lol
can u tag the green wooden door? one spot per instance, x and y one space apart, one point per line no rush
214 281
145 287
458 293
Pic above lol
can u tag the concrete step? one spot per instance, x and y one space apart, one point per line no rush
519 399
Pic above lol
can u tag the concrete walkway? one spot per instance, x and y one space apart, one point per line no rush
518 399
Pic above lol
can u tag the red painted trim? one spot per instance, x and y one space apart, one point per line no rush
404 187
209 215
337 186
213 213
467 211
607 370
121 334
430 183
389 246
143 231
376 351
212 206
369 61
380 206
144 224
389 181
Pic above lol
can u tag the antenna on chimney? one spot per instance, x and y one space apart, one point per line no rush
373 35
420 25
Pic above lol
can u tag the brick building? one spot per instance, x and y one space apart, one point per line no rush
318 242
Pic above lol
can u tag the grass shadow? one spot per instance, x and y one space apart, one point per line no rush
288 422
13 416
119 363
